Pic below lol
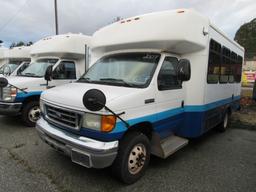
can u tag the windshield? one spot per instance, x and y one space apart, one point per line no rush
8 68
38 68
125 69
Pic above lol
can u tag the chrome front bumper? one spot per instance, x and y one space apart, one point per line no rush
10 108
82 150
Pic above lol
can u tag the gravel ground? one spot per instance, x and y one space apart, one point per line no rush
215 162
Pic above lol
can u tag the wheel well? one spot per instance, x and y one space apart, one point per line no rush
144 127
229 110
31 98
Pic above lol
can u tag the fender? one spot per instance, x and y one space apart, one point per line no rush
23 96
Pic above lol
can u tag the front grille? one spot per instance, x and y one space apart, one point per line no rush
62 117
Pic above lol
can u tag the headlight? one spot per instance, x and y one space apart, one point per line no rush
41 104
9 93
104 123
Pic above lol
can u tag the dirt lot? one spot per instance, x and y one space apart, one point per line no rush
245 118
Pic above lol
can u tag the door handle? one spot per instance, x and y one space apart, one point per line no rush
182 104
152 100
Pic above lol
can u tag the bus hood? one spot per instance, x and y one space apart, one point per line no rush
26 83
71 95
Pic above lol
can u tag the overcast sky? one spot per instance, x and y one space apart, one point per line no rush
30 20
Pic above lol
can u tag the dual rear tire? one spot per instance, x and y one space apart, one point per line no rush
225 122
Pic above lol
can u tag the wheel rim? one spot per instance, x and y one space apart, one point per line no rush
137 159
34 114
225 121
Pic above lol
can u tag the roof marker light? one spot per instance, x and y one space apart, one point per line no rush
180 11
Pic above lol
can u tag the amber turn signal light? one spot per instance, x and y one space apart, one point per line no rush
108 123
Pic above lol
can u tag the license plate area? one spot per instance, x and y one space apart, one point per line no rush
81 158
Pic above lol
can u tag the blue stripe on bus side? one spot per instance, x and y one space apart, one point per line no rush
190 117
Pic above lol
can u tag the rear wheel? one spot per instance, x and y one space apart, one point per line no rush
225 123
31 113
133 158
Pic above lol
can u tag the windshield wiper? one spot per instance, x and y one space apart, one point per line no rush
82 79
113 80
30 75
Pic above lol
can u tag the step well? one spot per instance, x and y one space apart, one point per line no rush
166 147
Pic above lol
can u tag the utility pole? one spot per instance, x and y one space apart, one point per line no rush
56 17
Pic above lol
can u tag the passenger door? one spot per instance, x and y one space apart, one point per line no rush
169 98
63 73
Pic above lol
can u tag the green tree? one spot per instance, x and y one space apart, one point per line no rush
21 43
29 43
246 36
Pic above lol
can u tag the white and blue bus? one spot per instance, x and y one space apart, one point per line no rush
157 80
64 56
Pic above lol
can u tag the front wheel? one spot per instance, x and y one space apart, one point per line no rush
133 157
31 113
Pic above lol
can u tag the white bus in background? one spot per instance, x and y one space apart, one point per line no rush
2 55
15 60
161 79
62 57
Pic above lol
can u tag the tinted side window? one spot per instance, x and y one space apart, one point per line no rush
214 62
225 65
231 77
238 69
167 77
65 70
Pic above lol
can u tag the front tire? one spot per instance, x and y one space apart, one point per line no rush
132 158
31 113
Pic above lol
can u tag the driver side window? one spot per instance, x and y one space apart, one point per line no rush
167 78
22 68
65 70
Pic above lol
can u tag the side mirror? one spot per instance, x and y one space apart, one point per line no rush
184 70
48 73
3 82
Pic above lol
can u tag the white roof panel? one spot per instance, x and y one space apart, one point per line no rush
66 45
22 52
178 31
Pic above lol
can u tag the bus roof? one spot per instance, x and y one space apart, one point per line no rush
65 45
179 31
22 52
